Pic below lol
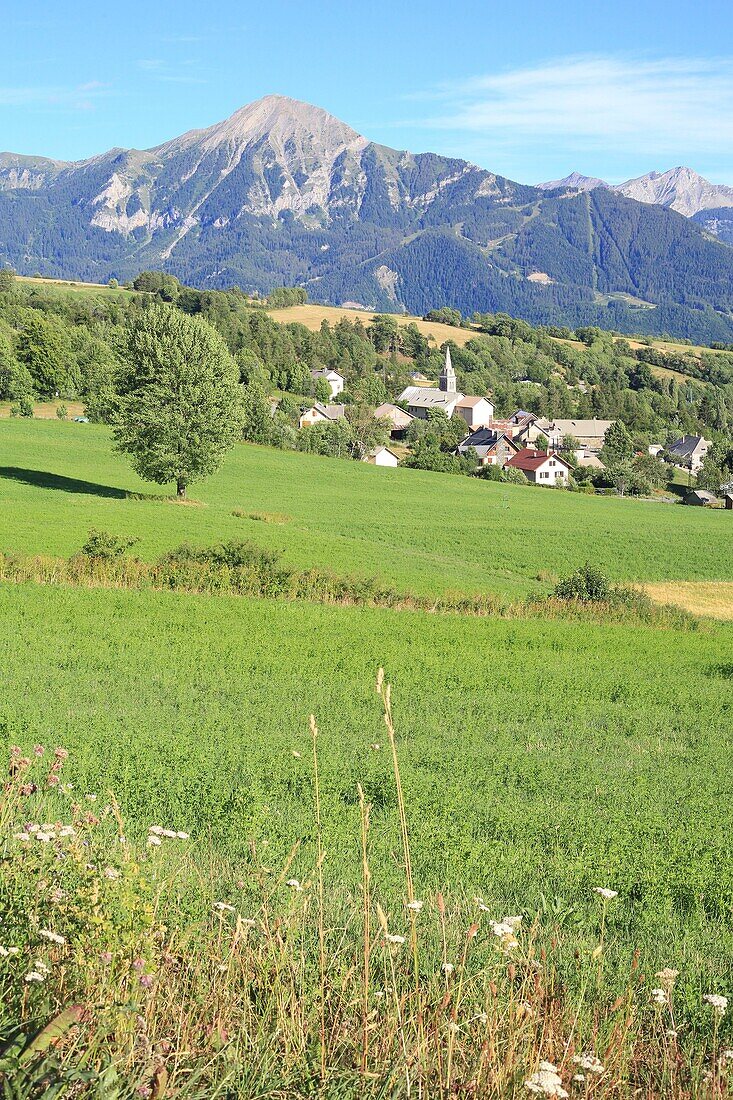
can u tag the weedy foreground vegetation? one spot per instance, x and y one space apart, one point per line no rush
164 975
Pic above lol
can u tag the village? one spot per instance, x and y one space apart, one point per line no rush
544 450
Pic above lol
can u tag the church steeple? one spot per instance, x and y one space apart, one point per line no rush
447 382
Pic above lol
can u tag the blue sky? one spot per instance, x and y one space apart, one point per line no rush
530 90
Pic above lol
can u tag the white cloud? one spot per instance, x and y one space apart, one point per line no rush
670 107
81 97
179 73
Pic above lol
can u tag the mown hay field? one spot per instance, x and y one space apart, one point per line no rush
428 533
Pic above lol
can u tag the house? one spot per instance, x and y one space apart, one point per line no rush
540 467
421 399
382 456
702 498
398 419
492 448
587 458
334 379
319 413
728 502
655 449
517 426
478 412
689 451
589 433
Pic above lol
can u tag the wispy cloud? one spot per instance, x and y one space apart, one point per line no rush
81 97
181 72
668 107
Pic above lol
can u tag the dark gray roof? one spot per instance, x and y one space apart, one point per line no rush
685 446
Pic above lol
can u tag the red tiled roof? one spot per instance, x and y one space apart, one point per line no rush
527 459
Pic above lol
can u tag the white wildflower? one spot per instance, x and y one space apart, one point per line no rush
671 1033
156 830
727 1055
415 905
34 976
513 922
44 836
21 836
659 996
579 1077
247 922
453 1026
111 873
505 933
296 754
667 975
605 893
180 835
91 797
447 968
67 830
589 1063
52 937
717 1002
546 1081
224 907
294 884
393 938
8 952
154 841
169 833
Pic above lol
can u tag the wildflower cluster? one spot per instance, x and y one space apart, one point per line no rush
157 834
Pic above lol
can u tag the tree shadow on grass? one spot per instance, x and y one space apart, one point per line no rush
42 479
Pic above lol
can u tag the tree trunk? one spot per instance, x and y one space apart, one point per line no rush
181 489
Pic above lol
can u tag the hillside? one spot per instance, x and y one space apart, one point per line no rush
282 192
419 531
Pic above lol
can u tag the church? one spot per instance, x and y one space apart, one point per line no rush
477 412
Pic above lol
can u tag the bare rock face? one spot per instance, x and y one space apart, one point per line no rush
575 182
680 189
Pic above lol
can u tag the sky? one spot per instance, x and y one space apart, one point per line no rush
529 90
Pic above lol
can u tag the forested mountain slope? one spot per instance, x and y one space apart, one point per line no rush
283 193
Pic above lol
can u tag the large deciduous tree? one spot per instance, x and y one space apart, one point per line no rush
180 402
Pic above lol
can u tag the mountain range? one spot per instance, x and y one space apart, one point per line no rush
680 189
282 193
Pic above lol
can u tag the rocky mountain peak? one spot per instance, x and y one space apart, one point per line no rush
282 121
681 189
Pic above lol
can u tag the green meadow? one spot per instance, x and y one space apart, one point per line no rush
423 532
539 759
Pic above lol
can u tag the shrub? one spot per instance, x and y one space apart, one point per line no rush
584 584
62 412
23 407
513 476
106 547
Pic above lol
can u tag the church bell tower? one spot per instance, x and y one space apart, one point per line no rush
447 381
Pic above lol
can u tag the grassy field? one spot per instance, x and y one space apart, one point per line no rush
312 316
698 597
425 532
539 759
